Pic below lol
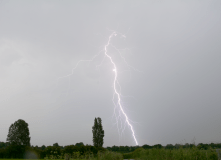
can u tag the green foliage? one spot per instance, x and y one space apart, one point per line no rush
43 147
124 149
19 133
178 152
76 155
102 155
53 151
169 146
67 156
137 152
174 154
4 144
79 144
56 145
109 156
98 133
146 146
158 146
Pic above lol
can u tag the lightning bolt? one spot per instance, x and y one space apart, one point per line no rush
115 82
115 90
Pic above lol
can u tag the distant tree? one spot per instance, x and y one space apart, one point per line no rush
43 147
36 147
169 146
79 144
218 145
19 133
2 145
127 149
56 145
212 145
70 149
203 146
187 145
115 148
177 146
109 148
192 145
146 146
98 133
158 146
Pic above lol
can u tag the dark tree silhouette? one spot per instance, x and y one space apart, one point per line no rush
56 145
79 144
19 133
43 147
98 133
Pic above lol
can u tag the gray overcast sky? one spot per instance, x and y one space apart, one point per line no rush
172 95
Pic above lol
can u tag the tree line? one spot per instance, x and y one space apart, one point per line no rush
18 151
9 151
127 149
18 144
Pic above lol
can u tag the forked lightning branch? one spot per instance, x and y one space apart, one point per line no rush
116 93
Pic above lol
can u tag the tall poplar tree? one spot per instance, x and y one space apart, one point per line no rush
98 133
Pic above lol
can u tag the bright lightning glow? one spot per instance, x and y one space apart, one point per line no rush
115 90
115 82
